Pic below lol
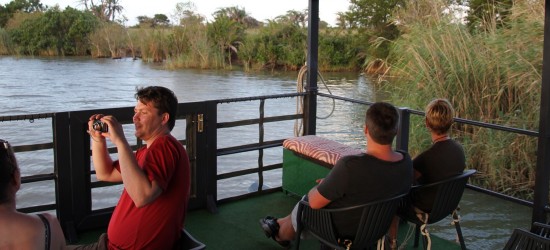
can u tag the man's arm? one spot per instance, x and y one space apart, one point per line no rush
137 184
103 164
317 200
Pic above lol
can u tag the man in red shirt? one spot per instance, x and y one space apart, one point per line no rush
151 211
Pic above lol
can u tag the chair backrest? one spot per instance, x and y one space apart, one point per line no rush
523 239
374 223
448 195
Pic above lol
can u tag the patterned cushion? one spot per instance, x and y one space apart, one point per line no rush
319 148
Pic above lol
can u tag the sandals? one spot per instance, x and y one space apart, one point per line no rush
271 229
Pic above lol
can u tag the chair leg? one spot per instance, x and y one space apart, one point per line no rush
299 226
416 235
460 237
456 222
297 238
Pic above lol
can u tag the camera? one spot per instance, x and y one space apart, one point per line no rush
100 126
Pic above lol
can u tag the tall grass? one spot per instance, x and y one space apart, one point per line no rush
189 47
493 76
6 44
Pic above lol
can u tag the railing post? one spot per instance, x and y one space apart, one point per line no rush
62 170
261 143
402 140
80 166
210 155
540 200
310 100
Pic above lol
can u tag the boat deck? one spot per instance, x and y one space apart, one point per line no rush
236 226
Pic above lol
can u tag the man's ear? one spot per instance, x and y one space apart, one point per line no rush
17 179
365 129
426 124
165 118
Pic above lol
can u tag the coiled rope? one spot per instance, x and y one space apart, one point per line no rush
300 87
424 230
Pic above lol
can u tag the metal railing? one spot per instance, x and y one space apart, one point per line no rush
72 167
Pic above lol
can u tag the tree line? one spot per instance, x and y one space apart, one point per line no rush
485 56
362 36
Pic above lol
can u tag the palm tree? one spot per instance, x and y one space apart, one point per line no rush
237 15
105 10
226 34
294 17
341 20
112 8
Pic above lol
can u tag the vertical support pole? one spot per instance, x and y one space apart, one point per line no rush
261 132
210 155
62 169
310 100
402 140
543 156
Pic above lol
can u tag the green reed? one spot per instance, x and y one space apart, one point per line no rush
6 45
491 75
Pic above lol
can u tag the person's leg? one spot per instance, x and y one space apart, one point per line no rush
101 244
286 230
405 206
281 230
393 232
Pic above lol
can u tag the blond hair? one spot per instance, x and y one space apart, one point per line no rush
439 116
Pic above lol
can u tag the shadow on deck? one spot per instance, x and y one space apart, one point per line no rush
236 226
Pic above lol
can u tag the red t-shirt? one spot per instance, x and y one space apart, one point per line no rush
157 225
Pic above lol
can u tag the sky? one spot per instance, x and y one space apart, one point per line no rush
259 9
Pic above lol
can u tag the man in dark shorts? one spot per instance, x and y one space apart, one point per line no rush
378 173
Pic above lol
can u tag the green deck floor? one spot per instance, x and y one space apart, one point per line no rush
236 226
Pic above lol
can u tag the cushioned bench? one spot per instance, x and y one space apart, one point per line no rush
308 158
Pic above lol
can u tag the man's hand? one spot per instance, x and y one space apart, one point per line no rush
115 133
95 134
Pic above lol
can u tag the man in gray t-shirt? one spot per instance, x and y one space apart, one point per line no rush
378 173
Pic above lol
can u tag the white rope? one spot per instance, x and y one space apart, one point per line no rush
298 126
456 219
424 229
381 243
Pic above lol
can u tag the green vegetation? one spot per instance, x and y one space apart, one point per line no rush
491 75
232 38
488 63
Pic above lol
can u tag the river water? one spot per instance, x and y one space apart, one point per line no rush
44 85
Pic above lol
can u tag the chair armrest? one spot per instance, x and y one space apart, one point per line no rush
541 229
541 225
466 173
304 202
